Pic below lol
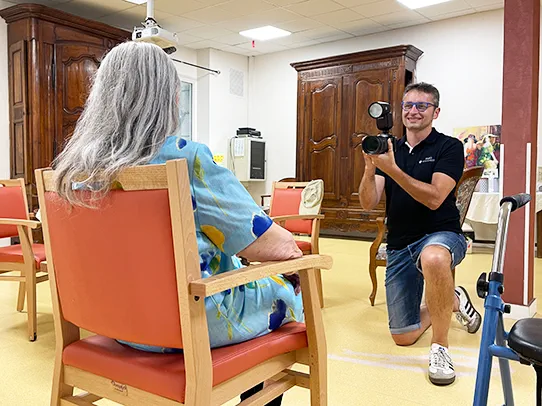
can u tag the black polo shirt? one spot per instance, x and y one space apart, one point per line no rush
407 219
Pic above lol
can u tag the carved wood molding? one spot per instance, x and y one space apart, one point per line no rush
26 10
399 52
391 63
71 60
337 70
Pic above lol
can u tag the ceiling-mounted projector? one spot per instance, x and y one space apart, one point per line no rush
152 32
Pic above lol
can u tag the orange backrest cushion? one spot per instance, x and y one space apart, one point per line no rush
286 202
115 268
11 206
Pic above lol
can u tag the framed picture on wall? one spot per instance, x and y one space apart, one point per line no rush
482 147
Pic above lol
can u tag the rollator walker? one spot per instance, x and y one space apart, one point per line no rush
524 341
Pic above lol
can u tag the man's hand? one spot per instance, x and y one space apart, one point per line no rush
385 162
370 167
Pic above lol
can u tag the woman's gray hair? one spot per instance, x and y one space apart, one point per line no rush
132 107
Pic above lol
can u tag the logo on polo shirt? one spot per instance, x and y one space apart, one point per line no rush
426 160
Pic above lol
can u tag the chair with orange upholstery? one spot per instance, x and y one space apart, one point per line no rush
265 207
286 209
463 192
124 278
24 258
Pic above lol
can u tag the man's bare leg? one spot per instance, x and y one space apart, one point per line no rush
439 292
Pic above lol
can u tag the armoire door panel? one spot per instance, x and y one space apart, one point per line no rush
18 129
321 136
47 96
364 88
322 164
323 100
75 66
18 84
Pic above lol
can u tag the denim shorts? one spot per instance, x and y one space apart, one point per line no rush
404 278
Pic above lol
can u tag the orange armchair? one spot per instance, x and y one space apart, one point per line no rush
23 258
286 198
463 192
132 273
266 196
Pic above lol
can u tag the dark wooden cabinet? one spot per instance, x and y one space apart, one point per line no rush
333 97
52 57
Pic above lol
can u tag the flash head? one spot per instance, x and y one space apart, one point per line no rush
381 112
378 109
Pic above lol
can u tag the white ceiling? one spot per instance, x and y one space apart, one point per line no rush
216 23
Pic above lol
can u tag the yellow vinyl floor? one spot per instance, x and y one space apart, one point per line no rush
364 365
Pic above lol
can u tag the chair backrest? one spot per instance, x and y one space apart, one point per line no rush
286 200
465 189
119 269
13 205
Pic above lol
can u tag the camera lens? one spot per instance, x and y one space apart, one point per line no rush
374 145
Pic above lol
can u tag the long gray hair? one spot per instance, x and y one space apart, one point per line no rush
132 107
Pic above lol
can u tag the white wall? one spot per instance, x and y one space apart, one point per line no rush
228 111
203 98
462 57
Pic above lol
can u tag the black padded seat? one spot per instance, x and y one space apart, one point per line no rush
525 338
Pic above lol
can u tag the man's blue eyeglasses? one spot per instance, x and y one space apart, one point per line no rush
420 106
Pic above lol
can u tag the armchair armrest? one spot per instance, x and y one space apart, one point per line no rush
227 280
298 217
19 222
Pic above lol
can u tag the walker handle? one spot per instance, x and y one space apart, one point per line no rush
519 200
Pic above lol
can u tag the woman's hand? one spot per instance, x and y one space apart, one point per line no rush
293 278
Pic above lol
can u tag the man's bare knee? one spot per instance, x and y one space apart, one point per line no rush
406 339
436 257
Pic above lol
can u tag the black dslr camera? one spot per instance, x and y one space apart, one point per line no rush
378 144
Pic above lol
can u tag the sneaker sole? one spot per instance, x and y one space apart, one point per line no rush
442 381
479 318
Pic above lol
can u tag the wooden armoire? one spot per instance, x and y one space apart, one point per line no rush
51 58
333 97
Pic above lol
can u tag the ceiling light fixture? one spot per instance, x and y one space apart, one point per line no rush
265 33
136 1
414 4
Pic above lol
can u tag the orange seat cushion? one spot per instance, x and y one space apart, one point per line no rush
14 253
304 246
164 374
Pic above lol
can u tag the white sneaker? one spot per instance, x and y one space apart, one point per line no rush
467 315
441 368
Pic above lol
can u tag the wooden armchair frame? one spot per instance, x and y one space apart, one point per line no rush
28 269
191 288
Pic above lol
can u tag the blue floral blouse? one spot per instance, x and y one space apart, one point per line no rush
227 221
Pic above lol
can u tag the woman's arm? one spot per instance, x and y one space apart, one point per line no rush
276 244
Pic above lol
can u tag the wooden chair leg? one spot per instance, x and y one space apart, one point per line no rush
316 339
372 274
60 389
21 296
320 287
31 303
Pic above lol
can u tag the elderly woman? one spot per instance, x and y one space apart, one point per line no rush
131 117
